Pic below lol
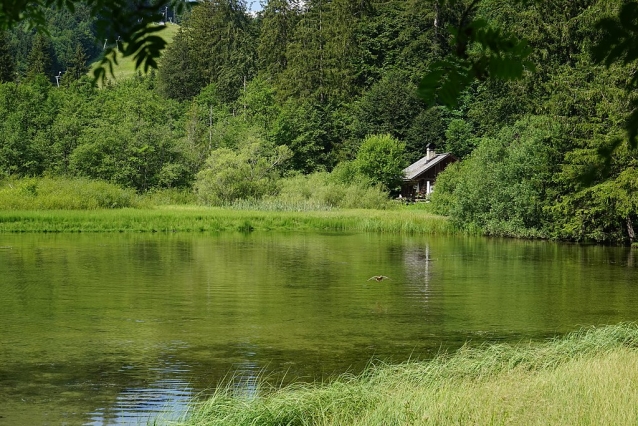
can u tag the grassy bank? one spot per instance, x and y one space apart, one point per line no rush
588 377
200 219
57 204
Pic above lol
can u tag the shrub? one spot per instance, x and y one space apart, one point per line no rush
325 190
251 172
381 159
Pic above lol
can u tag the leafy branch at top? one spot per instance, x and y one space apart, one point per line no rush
480 52
128 21
618 43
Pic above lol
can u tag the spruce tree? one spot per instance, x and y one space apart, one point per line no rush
215 46
77 67
40 58
7 60
279 19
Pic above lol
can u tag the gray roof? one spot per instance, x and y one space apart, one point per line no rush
423 165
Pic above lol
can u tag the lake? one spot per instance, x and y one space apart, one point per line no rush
105 329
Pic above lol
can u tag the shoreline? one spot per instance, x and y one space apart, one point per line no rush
202 219
586 377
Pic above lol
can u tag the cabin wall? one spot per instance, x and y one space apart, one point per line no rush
423 185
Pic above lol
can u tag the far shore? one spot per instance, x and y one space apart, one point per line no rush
202 219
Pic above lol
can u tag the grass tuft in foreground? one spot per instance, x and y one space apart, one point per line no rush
587 377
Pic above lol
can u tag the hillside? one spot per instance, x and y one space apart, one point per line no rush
126 66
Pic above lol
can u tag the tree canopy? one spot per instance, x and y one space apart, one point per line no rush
126 20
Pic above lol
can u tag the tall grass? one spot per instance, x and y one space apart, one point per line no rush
62 193
200 219
587 377
322 190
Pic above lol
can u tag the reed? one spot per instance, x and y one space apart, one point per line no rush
200 219
55 193
587 377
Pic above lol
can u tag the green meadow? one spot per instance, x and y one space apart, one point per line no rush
125 67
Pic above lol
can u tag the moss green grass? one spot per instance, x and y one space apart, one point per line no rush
589 377
201 219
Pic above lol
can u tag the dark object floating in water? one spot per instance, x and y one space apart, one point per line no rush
379 278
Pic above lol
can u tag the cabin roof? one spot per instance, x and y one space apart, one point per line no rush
423 165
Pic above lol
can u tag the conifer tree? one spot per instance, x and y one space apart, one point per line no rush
77 67
7 60
40 58
277 26
215 46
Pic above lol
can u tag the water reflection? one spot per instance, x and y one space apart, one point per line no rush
165 400
247 373
114 329
418 267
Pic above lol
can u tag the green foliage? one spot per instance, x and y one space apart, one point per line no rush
214 45
605 212
323 190
7 59
178 77
618 42
381 159
543 153
389 106
113 18
26 115
481 52
63 194
251 172
503 184
459 138
77 67
258 104
40 58
130 142
279 18
307 129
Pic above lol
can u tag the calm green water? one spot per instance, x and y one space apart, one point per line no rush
111 329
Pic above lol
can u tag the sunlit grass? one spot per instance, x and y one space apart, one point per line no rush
80 205
588 377
201 219
63 193
125 67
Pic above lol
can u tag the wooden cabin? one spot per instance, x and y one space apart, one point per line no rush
420 177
